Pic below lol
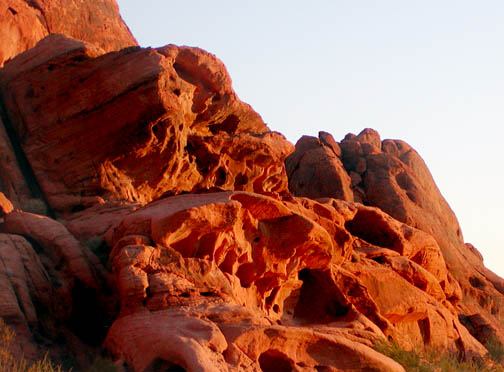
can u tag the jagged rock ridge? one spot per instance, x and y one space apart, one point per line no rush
177 237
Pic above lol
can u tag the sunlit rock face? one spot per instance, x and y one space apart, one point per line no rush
390 175
172 230
25 22
135 125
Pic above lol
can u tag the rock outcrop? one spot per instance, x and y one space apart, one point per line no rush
25 22
171 229
392 176
222 267
135 125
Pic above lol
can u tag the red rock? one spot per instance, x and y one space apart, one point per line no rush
24 23
95 221
5 205
171 108
390 175
315 170
58 243
23 282
12 181
21 27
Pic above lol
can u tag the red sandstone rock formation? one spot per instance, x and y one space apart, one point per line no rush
391 175
135 124
235 274
24 22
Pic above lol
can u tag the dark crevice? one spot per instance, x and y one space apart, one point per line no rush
274 361
34 4
21 159
13 11
320 301
229 125
87 320
161 365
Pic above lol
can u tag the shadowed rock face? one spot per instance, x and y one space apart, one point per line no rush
187 236
25 22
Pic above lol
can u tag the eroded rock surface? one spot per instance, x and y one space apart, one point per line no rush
237 263
184 235
136 124
392 176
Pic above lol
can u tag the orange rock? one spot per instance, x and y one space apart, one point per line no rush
390 175
95 221
5 205
23 23
315 170
171 108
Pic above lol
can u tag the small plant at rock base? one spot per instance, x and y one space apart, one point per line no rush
495 349
10 363
434 360
101 364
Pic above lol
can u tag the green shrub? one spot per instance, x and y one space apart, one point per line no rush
495 349
101 364
435 360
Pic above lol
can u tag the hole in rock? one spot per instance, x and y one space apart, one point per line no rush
185 295
157 130
87 320
205 160
176 92
221 176
320 300
161 365
425 331
371 227
257 239
13 11
240 181
379 259
228 263
246 273
77 208
229 125
476 282
274 361
50 67
206 294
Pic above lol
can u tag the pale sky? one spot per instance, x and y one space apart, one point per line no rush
428 72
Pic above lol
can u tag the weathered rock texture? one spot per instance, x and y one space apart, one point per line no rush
135 124
243 262
52 288
184 235
392 176
24 22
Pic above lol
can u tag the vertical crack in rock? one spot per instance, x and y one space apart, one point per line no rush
21 159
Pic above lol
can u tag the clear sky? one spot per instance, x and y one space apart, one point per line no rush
427 72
